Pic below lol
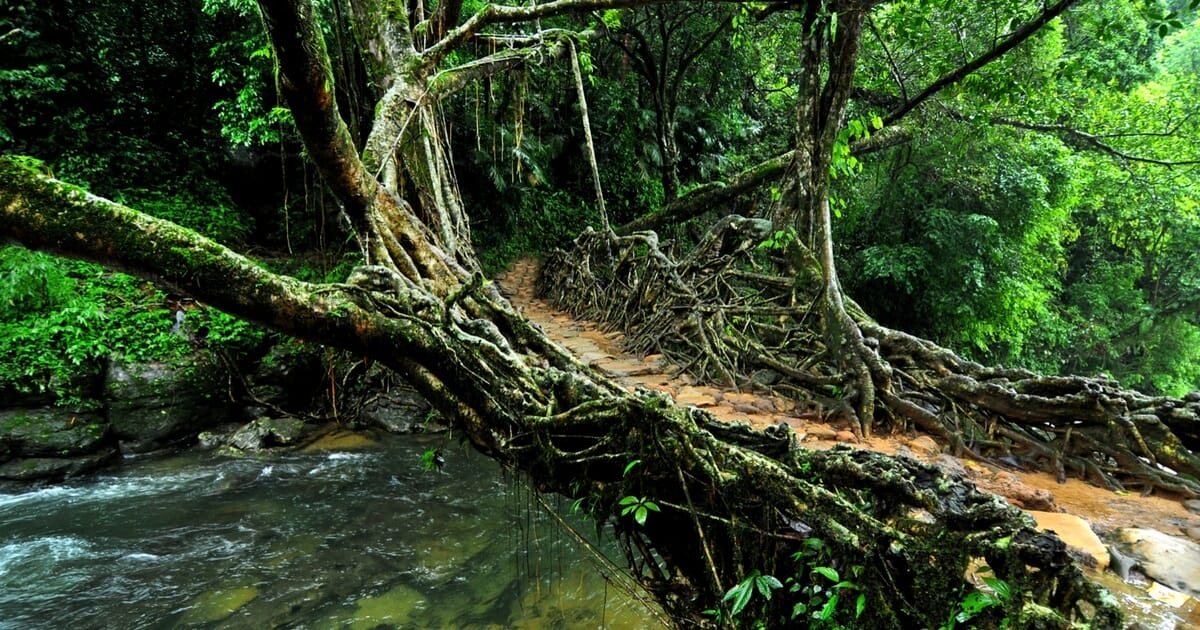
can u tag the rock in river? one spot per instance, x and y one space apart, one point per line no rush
1171 560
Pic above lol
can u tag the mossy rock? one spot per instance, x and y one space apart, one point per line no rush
49 432
56 468
154 404
267 432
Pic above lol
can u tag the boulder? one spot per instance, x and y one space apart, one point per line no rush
56 468
289 377
1082 542
924 446
154 404
400 410
266 432
1171 560
1016 491
48 432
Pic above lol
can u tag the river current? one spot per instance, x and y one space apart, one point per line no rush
341 538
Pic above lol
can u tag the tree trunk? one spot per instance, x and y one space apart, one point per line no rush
828 59
731 500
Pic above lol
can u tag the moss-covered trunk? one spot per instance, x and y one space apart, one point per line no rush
730 501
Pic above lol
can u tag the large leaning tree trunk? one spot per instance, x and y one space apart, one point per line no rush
732 502
725 314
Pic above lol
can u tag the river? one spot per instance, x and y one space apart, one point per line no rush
349 536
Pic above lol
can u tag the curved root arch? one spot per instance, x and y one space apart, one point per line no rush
722 314
730 501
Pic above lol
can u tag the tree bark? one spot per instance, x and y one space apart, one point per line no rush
732 500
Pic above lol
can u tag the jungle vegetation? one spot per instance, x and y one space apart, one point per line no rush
881 203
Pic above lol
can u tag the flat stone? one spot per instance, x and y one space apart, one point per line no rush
783 405
592 357
846 436
624 367
1172 560
1010 487
653 358
696 397
725 413
1078 535
925 446
594 335
821 432
734 398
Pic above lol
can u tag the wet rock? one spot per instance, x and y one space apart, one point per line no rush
154 404
1082 542
1193 533
267 432
289 377
400 410
56 468
949 465
1193 505
696 397
208 440
766 378
1171 560
1016 491
341 441
51 433
820 432
53 444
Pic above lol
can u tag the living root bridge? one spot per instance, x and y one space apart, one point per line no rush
723 314
732 501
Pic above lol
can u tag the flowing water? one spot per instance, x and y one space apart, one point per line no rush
343 538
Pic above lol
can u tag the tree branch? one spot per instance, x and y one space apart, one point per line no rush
1015 39
306 82
1085 140
711 195
92 228
404 327
495 14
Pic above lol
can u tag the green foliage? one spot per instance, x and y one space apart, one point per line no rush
202 207
779 240
818 587
60 319
998 595
250 112
738 597
639 507
1038 248
431 460
630 466
964 244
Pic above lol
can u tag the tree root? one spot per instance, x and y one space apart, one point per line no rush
722 314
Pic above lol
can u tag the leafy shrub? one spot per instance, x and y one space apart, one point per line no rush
60 319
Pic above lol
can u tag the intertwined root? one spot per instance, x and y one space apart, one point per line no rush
722 313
